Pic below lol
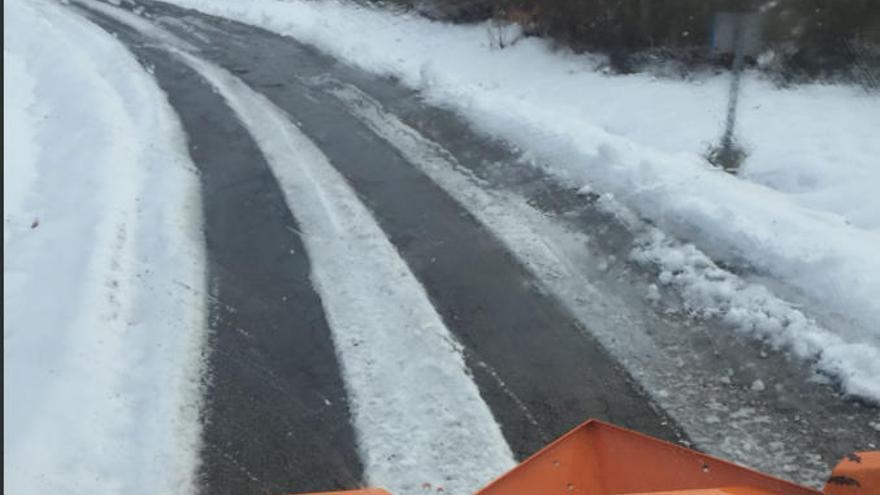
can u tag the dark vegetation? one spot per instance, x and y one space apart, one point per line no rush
800 40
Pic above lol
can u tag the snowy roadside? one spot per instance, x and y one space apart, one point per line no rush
104 309
803 213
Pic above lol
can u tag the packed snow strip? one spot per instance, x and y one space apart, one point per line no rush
104 314
559 259
419 416
803 210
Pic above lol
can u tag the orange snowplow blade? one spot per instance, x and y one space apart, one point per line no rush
600 459
857 474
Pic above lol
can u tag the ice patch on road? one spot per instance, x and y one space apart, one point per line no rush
420 420
103 267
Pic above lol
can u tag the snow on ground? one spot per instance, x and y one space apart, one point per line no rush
419 417
18 98
803 211
104 303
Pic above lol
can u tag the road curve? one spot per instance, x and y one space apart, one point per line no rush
278 415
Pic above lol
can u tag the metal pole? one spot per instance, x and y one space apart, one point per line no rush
733 96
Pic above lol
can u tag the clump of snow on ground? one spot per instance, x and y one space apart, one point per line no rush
104 302
803 211
711 292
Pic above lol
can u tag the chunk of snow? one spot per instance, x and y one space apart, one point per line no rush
653 293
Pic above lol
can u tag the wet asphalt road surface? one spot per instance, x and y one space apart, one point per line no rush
276 417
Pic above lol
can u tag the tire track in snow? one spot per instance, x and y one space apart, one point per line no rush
419 416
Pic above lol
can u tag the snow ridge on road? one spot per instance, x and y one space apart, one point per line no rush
419 416
104 314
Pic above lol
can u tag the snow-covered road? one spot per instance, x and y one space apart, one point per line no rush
417 399
403 368
393 296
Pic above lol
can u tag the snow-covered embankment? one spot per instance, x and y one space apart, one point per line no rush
104 309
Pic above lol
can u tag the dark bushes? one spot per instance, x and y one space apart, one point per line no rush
801 39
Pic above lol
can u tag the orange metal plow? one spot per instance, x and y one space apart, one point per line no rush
600 459
857 474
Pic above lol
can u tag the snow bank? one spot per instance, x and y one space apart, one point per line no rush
804 210
103 270
19 153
